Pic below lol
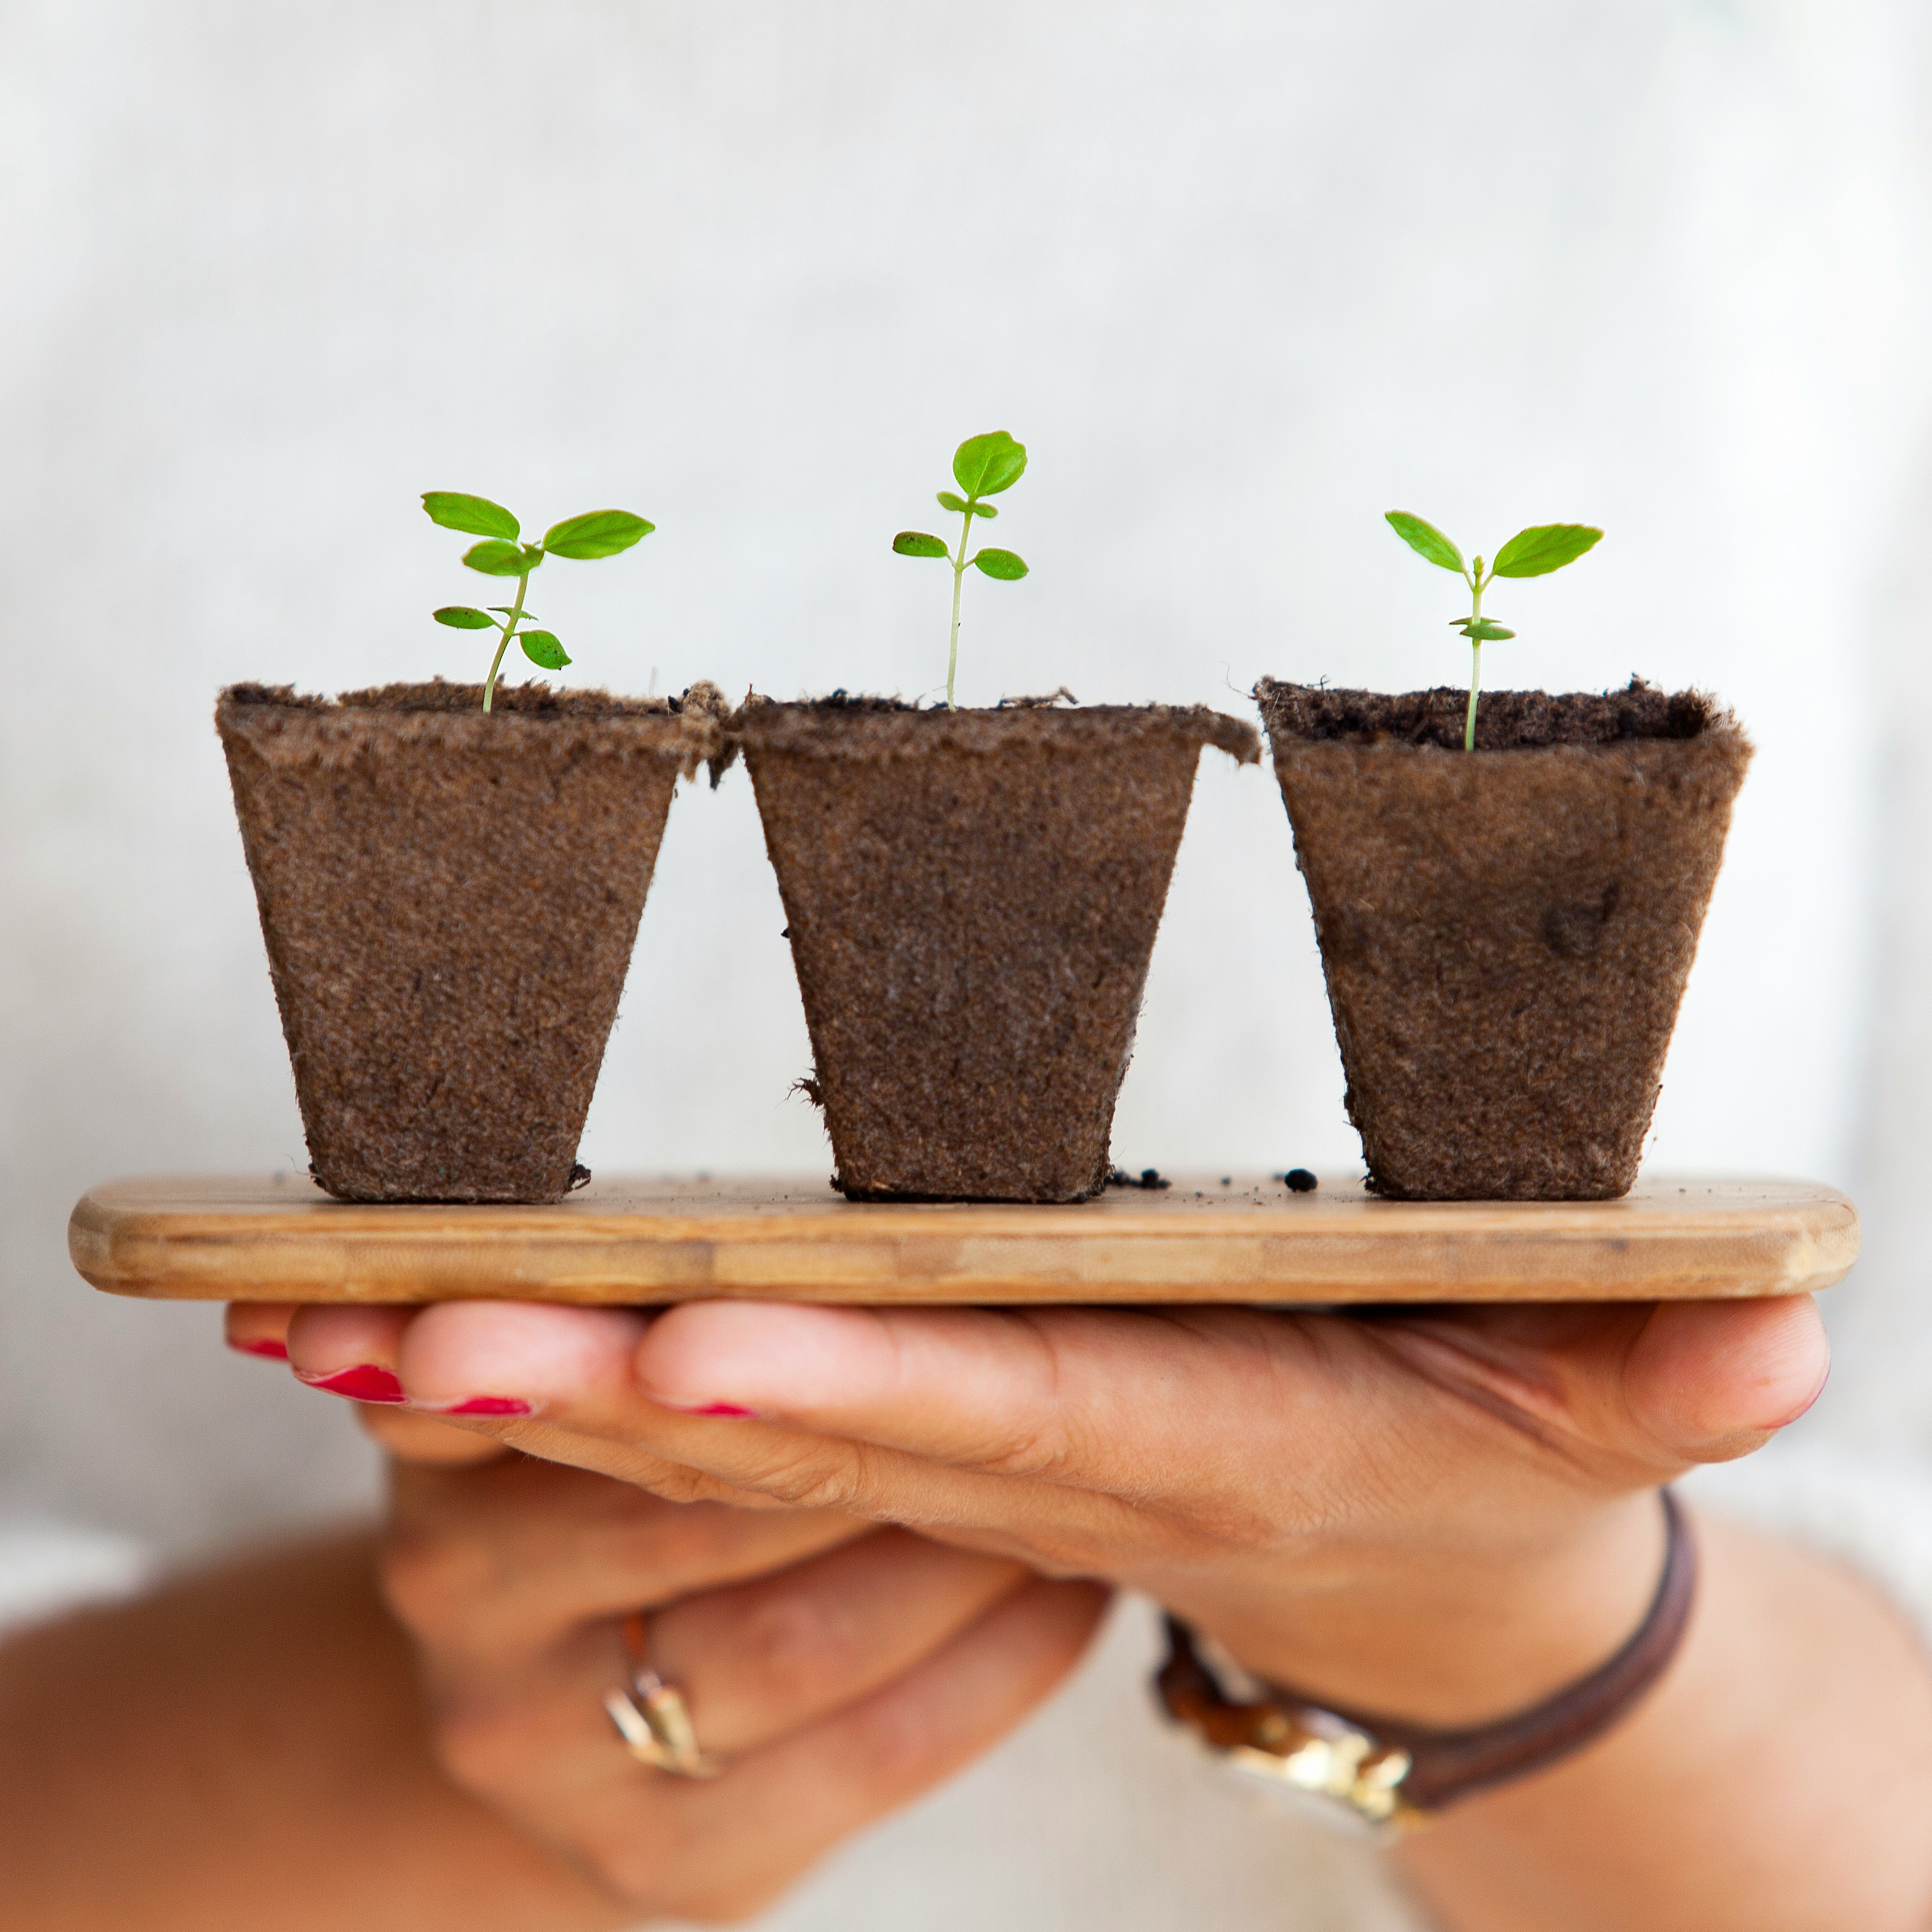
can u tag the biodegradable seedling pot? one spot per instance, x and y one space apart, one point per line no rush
971 898
1506 932
449 901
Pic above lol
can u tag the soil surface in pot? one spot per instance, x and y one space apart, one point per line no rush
1506 934
971 898
449 901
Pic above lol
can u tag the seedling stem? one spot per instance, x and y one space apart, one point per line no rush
958 578
1476 581
510 622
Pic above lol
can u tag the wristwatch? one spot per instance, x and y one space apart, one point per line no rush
1391 1776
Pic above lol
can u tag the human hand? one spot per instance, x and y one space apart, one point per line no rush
838 1669
1441 1515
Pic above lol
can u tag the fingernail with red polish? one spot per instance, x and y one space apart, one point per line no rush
712 1409
481 1404
365 1382
268 1349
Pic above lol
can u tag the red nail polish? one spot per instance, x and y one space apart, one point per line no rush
485 1405
268 1348
721 1408
365 1382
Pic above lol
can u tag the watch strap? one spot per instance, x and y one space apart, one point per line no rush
1388 1771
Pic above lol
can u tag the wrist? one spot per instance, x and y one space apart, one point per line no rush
1452 1638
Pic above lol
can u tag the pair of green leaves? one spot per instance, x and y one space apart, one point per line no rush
983 466
540 647
598 533
1534 552
1005 564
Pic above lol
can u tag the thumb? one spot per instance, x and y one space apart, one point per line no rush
1713 1380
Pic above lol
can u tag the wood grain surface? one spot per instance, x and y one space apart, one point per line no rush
278 1238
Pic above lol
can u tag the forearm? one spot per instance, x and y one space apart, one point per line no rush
246 1749
1779 1779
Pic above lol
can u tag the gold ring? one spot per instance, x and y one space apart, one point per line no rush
650 1716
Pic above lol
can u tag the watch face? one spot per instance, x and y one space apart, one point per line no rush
1299 1754
1236 1770
1323 1766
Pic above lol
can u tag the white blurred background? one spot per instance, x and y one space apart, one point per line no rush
1241 275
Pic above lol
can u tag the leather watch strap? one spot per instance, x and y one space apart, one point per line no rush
1387 1769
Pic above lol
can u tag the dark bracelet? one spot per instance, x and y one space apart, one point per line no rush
1391 1773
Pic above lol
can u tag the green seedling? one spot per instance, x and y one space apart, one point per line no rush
983 466
598 533
1531 553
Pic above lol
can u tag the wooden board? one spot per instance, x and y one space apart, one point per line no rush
632 1240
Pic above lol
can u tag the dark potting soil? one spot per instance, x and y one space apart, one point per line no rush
972 898
1505 720
449 901
1506 934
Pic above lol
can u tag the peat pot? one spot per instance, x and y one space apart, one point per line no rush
449 900
1507 932
971 898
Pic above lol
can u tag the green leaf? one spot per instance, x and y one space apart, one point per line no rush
1425 540
462 617
542 647
1548 546
477 516
596 533
916 543
1002 564
497 559
1480 630
983 466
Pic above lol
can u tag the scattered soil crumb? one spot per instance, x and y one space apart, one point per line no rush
1298 1180
1151 1178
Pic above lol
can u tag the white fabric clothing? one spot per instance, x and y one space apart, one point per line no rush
47 1568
